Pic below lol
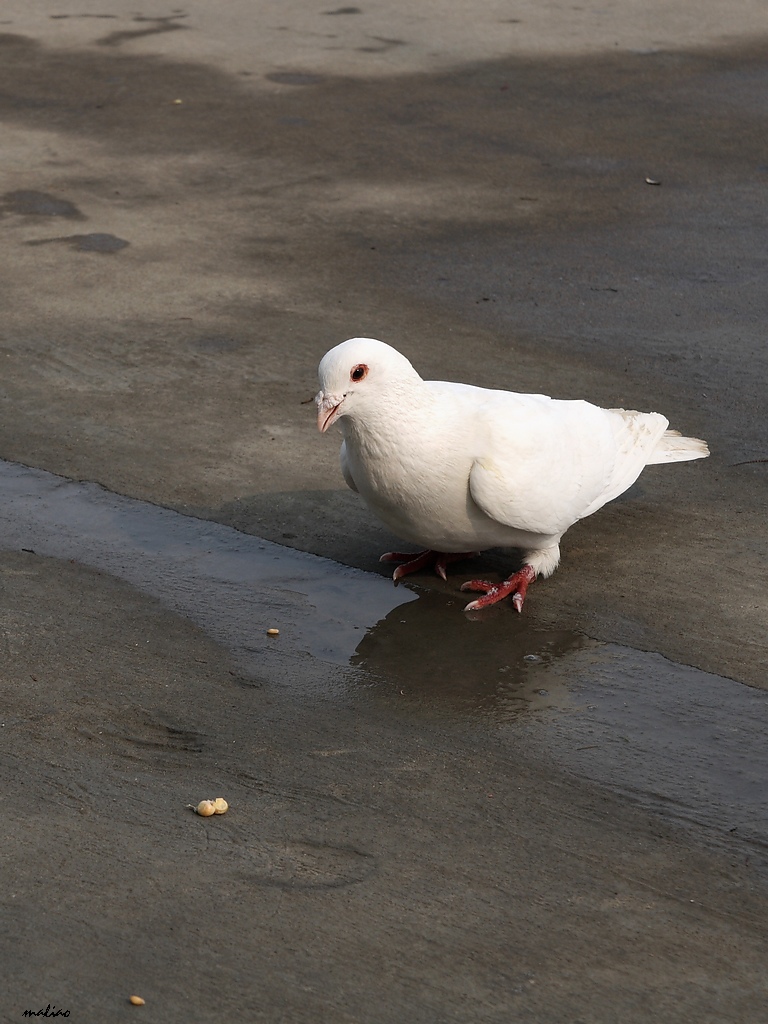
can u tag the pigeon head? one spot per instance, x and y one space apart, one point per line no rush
357 373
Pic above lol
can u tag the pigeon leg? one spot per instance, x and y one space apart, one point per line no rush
517 585
414 562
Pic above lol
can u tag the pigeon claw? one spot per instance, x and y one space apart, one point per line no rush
414 562
411 562
517 585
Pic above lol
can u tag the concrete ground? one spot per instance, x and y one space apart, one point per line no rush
196 204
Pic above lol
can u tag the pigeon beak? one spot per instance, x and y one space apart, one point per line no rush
327 410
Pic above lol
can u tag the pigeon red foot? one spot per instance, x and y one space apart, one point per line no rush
413 562
516 585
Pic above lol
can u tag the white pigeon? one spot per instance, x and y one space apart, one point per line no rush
457 469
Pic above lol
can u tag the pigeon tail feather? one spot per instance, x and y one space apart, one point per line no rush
673 447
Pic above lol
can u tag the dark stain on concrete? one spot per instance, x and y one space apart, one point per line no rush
64 17
293 78
30 203
96 241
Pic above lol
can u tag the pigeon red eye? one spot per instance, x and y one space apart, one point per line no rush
358 372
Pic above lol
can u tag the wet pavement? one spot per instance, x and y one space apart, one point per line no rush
435 817
685 743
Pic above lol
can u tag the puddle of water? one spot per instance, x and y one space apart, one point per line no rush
429 653
685 743
235 586
681 742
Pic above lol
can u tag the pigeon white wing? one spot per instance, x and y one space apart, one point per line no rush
543 464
